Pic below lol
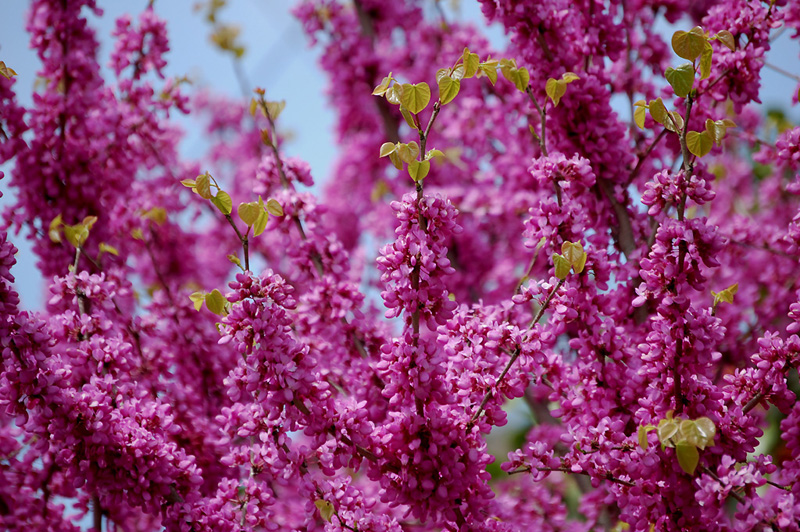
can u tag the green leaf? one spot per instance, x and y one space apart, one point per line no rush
688 457
471 63
106 248
726 38
418 169
572 251
706 430
639 115
658 111
699 143
518 76
261 223
197 298
523 79
248 212
448 89
381 89
203 186
409 119
189 183
274 208
562 266
325 508
689 44
642 435
725 295
415 97
223 202
54 231
681 79
705 61
555 89
215 302
76 234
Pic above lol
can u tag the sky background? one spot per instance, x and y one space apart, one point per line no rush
279 59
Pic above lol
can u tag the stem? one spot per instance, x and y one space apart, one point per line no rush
645 155
243 240
515 355
97 513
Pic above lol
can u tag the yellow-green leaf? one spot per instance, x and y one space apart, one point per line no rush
706 430
667 428
274 208
689 44
223 202
681 78
325 508
434 153
415 96
197 298
190 183
387 148
562 266
471 62
248 212
418 169
705 60
381 89
396 161
107 248
409 119
658 111
642 435
275 108
688 456
6 72
489 68
215 302
725 295
726 38
261 223
408 152
235 260
76 234
394 93
555 89
569 77
203 186
448 89
674 122
156 214
699 143
639 115
54 231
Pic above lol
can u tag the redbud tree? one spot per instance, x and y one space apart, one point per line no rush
494 233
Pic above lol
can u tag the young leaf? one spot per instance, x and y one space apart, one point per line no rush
197 298
489 68
325 508
54 231
6 72
106 248
203 186
667 428
726 38
396 161
699 143
409 119
688 457
248 212
569 77
261 223
381 89
394 93
418 169
253 106
274 109
658 111
434 153
387 148
555 89
415 97
223 202
705 61
274 208
706 430
190 183
408 152
235 260
215 302
674 122
725 295
681 79
642 435
689 44
639 115
562 266
448 89
471 63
